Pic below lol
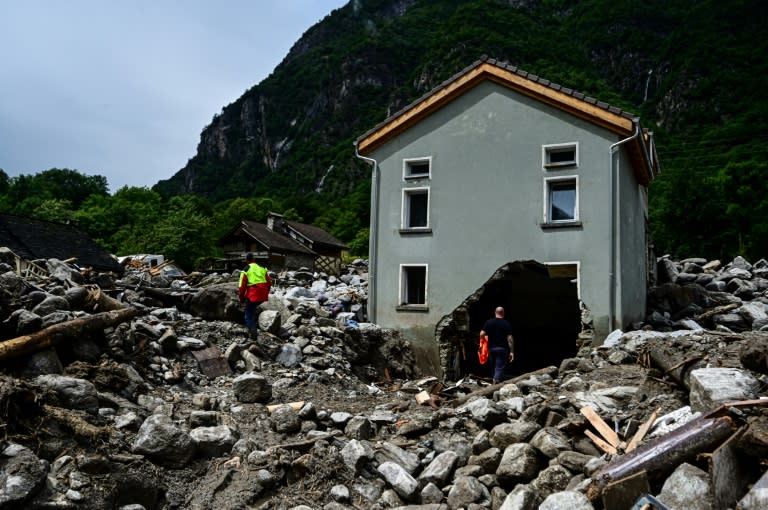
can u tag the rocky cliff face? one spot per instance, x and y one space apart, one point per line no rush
370 58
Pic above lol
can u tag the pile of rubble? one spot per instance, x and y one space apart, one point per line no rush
147 392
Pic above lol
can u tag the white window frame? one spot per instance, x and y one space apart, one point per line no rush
546 150
403 287
548 181
405 210
407 162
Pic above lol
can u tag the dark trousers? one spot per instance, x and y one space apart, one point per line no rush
250 312
499 358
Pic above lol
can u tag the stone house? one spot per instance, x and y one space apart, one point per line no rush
501 188
283 244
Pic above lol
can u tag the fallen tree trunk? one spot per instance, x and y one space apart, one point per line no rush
667 452
673 363
52 335
488 390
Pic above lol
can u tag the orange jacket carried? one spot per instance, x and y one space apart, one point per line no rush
482 351
254 284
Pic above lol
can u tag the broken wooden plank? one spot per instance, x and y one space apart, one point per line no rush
52 335
623 494
422 397
293 405
212 362
642 431
603 445
660 456
603 428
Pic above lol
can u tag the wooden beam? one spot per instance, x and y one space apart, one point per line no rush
603 428
52 335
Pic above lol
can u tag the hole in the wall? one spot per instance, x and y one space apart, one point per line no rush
541 302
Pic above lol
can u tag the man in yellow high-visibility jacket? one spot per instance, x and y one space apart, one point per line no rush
253 289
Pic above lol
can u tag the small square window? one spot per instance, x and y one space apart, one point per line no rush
415 208
562 155
413 285
417 168
561 200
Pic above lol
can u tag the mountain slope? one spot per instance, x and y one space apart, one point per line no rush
693 70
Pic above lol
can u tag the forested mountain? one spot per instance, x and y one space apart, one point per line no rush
694 70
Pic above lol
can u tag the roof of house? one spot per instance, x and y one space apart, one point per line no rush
597 112
33 239
273 240
315 234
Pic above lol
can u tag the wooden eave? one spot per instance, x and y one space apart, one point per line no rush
539 89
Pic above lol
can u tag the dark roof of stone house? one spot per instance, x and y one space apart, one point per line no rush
273 240
316 235
576 103
33 239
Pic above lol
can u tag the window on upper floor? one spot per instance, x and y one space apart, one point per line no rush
415 209
560 155
417 168
413 285
561 200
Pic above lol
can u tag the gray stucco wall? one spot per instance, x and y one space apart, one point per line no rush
486 207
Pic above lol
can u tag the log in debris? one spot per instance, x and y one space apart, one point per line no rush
660 456
673 363
52 335
489 390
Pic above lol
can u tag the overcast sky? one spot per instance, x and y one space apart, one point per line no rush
124 88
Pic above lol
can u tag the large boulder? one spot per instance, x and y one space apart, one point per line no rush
217 302
162 441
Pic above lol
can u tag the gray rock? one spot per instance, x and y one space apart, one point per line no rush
340 493
521 498
552 479
43 362
688 487
74 393
22 475
289 356
399 479
356 454
465 491
519 463
203 419
481 443
573 461
50 305
162 441
441 468
487 460
567 499
62 271
516 431
484 411
251 387
389 452
431 494
339 419
713 386
214 441
359 427
23 322
551 442
269 320
285 419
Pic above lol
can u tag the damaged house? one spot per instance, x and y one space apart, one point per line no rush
501 188
28 240
284 245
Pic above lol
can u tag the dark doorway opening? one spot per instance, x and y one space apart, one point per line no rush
541 303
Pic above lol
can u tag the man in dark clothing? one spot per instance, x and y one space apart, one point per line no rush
501 343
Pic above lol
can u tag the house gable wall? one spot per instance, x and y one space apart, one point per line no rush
486 204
